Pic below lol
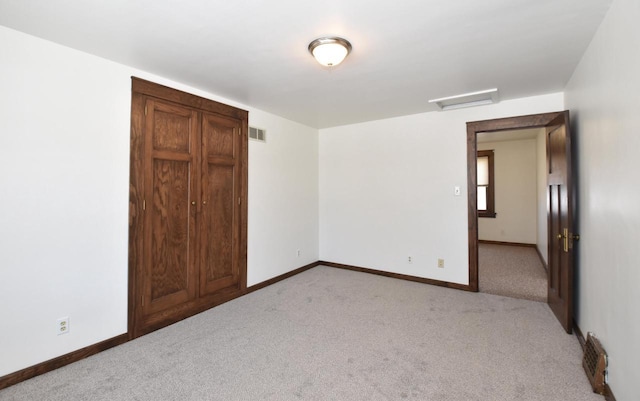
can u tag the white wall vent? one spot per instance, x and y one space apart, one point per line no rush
258 134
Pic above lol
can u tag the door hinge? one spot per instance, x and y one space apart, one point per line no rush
238 201
144 204
145 109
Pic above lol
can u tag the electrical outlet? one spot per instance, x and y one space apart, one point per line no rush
298 253
410 259
441 263
62 325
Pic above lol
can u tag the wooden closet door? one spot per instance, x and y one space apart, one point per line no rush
187 205
171 136
221 180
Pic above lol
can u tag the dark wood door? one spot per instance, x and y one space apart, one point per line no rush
219 246
169 220
560 229
187 199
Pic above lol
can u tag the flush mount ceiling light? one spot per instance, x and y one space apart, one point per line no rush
330 51
488 96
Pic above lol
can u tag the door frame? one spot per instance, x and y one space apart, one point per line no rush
473 128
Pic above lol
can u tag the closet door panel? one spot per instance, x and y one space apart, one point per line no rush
171 128
170 221
219 250
219 255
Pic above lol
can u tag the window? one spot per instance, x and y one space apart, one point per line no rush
486 201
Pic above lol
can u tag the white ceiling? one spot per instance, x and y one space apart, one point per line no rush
255 51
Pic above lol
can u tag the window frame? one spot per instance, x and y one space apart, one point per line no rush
491 206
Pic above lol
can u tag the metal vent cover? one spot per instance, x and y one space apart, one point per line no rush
258 134
594 362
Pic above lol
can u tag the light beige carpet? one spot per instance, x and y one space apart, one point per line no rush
512 271
331 334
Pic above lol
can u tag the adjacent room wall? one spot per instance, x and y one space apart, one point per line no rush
603 96
64 153
515 193
387 189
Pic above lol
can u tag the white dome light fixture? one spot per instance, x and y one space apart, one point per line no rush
330 51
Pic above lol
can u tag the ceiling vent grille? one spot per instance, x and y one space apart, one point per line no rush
480 98
258 134
595 363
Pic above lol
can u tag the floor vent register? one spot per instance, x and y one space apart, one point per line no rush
594 362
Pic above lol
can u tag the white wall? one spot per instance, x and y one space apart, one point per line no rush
603 95
542 241
386 189
64 153
283 198
515 193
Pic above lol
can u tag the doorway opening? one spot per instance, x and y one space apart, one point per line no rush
512 213
560 234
